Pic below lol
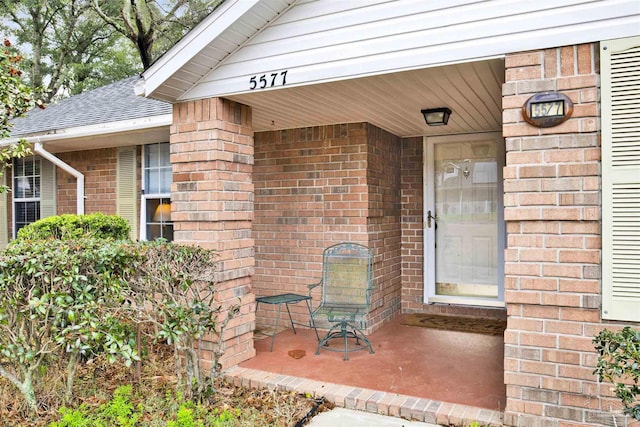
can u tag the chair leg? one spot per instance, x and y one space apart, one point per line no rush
330 335
345 330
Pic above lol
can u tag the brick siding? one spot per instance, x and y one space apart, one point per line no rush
384 221
319 186
552 259
412 226
212 204
99 170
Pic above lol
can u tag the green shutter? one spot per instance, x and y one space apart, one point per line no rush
48 193
4 215
620 67
127 195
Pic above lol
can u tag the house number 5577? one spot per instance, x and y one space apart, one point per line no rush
268 80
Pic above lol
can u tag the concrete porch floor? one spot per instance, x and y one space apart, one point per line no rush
430 375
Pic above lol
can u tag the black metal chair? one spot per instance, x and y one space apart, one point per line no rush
347 283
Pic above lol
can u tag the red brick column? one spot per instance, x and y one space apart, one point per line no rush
552 260
412 225
212 202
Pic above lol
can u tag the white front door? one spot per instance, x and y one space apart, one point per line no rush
463 216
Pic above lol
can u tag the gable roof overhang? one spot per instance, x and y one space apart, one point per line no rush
217 37
368 67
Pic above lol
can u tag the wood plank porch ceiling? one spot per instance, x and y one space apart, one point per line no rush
391 101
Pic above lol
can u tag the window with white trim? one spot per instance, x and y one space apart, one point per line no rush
156 194
26 191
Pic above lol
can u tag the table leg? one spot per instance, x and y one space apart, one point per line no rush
275 328
290 318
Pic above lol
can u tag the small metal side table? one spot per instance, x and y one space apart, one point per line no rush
287 299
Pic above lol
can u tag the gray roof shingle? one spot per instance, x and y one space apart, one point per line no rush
114 102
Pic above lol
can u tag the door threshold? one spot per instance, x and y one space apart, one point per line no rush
465 301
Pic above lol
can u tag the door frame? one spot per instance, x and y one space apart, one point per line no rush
429 232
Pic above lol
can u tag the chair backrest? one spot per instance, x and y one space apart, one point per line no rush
347 277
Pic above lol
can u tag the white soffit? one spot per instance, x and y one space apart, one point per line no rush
393 102
308 42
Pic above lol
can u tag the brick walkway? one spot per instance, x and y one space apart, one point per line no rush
374 401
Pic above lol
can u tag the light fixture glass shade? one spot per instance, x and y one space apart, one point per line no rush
436 116
162 213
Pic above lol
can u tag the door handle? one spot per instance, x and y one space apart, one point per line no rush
429 218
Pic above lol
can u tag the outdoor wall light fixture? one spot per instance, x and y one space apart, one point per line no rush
436 116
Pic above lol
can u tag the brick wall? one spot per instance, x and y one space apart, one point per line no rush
412 226
99 170
318 186
552 260
212 203
384 220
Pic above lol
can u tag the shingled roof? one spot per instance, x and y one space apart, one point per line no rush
110 103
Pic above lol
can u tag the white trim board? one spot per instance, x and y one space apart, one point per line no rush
324 41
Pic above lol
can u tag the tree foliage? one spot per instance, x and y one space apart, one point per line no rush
16 98
71 46
66 45
153 26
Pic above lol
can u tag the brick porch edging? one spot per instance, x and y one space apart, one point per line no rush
380 402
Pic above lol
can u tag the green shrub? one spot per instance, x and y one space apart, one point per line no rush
185 418
69 226
62 299
619 363
119 411
74 417
192 415
74 298
178 289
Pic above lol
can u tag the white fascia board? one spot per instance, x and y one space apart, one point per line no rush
482 41
477 49
98 129
194 42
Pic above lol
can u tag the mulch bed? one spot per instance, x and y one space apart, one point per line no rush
96 381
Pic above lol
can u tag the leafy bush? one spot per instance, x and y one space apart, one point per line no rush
72 299
619 363
176 292
62 298
74 417
69 226
185 418
119 411
190 415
